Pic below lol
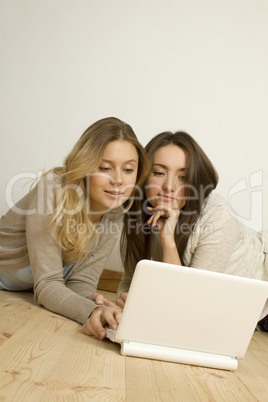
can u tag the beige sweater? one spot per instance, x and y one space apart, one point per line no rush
220 243
23 242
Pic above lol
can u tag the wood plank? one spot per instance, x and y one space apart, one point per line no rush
108 295
109 280
16 308
253 371
152 380
50 358
46 357
217 385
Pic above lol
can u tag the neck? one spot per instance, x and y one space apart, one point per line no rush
95 219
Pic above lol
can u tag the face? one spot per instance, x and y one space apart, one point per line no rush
111 184
168 177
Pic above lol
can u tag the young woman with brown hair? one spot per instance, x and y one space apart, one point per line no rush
183 222
57 239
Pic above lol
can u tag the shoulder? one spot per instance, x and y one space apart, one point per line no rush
47 181
44 192
51 179
215 223
214 200
214 203
216 213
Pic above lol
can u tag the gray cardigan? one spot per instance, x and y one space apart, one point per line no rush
23 242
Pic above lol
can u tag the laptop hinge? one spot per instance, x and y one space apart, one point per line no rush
150 351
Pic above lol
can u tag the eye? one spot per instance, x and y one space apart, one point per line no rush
129 170
104 169
158 173
182 178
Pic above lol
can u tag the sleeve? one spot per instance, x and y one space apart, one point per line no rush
46 260
84 278
124 284
216 236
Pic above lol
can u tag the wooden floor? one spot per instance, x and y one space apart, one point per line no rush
46 357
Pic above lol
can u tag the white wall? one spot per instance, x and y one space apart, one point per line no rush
200 66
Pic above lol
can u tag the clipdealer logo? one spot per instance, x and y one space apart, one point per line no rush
255 191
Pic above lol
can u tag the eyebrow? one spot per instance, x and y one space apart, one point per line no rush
165 167
129 161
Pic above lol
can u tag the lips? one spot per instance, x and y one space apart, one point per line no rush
166 197
114 193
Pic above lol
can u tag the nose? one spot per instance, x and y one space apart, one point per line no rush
116 178
170 183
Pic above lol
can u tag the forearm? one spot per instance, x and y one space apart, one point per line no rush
58 298
170 253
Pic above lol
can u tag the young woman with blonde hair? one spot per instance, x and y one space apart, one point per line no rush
57 238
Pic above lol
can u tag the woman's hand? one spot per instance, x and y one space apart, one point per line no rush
122 300
100 300
101 317
166 219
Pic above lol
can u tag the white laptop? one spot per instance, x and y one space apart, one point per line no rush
189 316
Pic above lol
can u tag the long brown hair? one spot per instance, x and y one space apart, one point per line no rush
202 178
84 158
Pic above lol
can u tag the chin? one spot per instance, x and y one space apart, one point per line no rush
116 205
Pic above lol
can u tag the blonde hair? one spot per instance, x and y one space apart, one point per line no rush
72 196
